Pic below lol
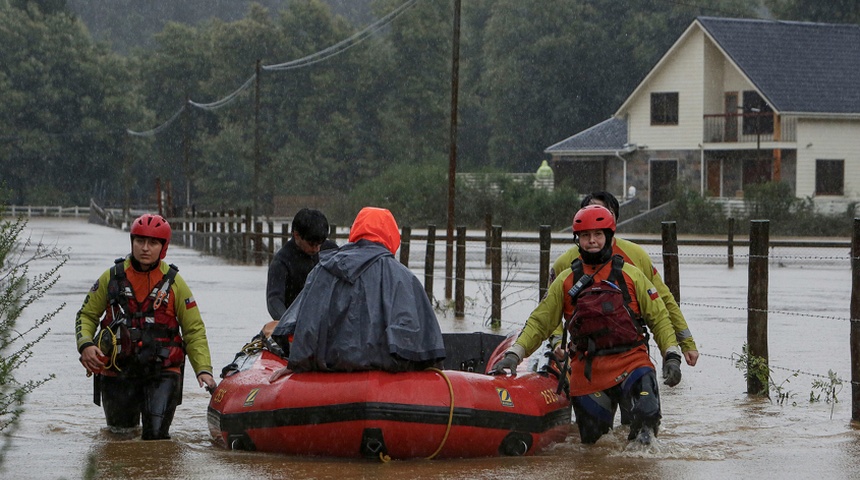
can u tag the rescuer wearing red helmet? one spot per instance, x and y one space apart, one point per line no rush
149 322
605 305
638 257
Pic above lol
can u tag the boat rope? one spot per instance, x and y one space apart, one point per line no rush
450 411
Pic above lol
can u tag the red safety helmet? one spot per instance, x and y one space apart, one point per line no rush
593 217
154 226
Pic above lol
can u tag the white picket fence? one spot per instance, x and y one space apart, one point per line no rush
43 211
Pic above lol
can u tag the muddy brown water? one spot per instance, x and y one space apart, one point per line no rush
711 428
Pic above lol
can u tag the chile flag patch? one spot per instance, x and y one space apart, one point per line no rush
190 303
652 292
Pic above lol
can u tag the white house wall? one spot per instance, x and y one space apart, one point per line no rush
682 73
733 81
714 79
828 140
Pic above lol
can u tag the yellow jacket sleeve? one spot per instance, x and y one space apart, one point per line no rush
563 262
545 319
192 328
89 316
640 258
652 309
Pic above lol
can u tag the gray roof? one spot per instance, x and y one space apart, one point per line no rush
799 67
607 136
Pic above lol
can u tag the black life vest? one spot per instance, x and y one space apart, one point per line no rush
601 321
143 336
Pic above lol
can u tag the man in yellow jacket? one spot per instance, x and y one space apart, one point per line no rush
149 321
604 304
638 257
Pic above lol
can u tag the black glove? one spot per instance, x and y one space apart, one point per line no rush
672 369
510 362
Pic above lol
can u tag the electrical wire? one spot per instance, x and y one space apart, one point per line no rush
226 100
155 131
317 57
343 45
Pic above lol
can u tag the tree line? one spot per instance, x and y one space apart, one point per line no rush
370 124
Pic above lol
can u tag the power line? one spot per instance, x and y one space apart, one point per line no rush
343 45
226 100
306 61
158 129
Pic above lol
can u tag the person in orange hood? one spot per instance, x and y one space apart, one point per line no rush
361 309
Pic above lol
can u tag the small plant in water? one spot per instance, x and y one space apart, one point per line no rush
756 367
830 388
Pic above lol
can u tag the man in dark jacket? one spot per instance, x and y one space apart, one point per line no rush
361 309
292 263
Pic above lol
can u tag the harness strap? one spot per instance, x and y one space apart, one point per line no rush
616 276
166 283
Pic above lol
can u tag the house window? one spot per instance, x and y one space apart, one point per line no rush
829 177
664 108
758 116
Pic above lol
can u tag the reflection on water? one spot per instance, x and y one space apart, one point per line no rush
711 428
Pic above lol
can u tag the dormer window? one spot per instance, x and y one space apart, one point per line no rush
664 108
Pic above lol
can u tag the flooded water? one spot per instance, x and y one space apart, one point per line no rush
711 428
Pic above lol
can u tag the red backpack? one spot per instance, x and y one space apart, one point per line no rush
603 322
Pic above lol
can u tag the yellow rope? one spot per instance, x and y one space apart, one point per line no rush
112 361
450 412
252 347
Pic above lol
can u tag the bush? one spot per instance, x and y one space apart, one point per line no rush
19 290
775 202
695 214
418 196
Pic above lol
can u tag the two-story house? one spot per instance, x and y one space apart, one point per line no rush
733 102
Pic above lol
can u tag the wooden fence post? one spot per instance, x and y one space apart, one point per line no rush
270 245
429 259
496 268
731 242
460 276
855 322
405 242
231 235
207 228
757 302
671 273
543 273
488 240
258 243
222 231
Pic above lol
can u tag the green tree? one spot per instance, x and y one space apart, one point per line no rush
18 290
175 70
831 11
416 73
66 103
320 118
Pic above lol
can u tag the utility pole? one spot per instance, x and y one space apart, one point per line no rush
186 150
452 157
255 183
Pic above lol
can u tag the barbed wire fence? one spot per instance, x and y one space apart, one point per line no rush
519 255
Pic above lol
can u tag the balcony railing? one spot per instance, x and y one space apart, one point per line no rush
749 128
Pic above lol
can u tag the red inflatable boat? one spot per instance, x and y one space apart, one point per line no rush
456 412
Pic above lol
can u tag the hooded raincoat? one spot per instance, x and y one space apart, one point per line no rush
361 309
